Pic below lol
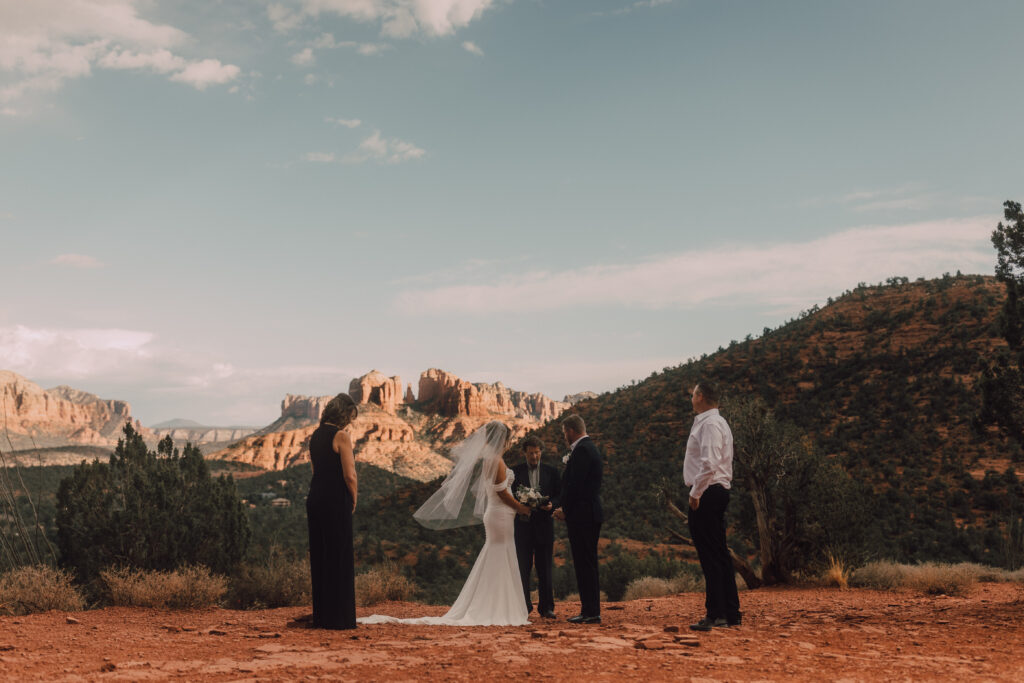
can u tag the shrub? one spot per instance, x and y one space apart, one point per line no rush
185 588
647 587
879 575
38 588
382 583
930 578
692 583
278 582
940 579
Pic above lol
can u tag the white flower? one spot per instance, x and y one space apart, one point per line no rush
565 458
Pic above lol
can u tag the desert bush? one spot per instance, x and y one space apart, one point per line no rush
647 587
381 583
38 588
185 588
931 578
880 575
940 579
982 573
278 582
689 582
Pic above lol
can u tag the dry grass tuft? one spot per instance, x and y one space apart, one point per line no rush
382 583
881 576
38 588
280 582
185 588
837 573
940 579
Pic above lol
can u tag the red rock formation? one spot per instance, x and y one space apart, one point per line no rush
409 397
447 395
60 416
375 388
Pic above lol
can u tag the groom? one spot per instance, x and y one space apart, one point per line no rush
581 509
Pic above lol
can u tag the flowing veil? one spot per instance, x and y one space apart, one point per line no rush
462 498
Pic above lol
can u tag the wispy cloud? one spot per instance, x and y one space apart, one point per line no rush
632 7
76 261
304 58
347 123
785 276
319 157
45 43
470 46
396 18
384 150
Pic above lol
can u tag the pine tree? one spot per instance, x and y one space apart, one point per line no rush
149 510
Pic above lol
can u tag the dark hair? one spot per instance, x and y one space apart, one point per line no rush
575 423
709 391
532 442
339 411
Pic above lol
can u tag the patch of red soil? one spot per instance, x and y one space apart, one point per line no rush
787 634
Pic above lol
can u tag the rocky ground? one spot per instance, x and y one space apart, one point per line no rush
788 634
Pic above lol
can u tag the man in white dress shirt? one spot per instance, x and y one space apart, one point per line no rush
707 470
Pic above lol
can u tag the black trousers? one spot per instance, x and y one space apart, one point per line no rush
535 542
707 529
332 564
583 542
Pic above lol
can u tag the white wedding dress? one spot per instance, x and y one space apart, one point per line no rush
493 593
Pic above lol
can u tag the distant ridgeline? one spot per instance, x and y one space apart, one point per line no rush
883 380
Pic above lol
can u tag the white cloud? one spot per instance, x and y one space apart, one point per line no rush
470 46
348 123
304 58
318 157
310 79
44 43
207 72
786 276
71 353
384 150
133 365
397 18
160 61
76 261
325 41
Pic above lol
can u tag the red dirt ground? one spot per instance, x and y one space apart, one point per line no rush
788 634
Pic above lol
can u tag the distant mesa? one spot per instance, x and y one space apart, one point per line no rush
407 435
59 418
177 423
573 399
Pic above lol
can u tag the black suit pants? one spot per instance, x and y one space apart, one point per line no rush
583 542
534 546
707 529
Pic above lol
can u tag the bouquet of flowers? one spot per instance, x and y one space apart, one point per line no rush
531 497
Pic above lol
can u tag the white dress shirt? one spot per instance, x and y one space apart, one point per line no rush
576 443
708 453
534 475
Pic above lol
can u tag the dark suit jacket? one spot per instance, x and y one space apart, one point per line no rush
581 485
550 486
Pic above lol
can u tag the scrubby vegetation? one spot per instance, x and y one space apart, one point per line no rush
38 588
382 583
185 588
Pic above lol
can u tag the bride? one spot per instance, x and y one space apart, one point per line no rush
478 489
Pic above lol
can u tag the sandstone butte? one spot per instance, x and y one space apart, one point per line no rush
58 417
399 433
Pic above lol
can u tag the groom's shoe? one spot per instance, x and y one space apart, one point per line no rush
706 624
548 615
580 619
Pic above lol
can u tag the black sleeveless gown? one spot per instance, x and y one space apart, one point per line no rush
329 513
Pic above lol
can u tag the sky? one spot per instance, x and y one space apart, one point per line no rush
205 205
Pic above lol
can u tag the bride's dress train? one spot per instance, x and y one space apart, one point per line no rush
493 593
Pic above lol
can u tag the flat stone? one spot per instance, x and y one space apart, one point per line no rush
72 620
671 629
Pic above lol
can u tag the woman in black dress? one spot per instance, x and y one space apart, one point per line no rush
329 508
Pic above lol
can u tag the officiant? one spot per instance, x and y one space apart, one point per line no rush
535 535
